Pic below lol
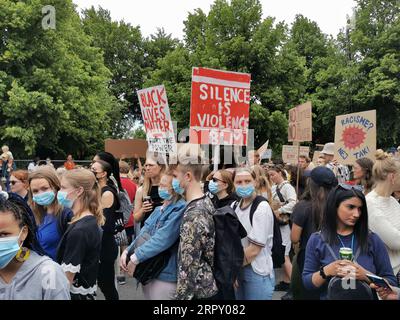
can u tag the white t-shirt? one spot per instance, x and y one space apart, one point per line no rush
260 233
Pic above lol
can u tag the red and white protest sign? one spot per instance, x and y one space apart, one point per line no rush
157 119
220 102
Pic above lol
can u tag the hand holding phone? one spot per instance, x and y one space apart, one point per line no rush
380 282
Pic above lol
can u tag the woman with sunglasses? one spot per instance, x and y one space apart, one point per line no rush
383 209
19 183
223 189
344 225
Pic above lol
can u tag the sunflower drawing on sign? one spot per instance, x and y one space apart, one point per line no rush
353 137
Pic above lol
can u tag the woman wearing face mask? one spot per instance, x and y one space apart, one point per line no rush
223 189
345 225
383 209
19 183
79 250
284 199
23 267
256 280
147 197
162 230
51 218
109 249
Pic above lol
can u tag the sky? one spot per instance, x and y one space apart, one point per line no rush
170 14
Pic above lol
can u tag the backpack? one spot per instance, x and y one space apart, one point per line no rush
278 250
228 250
125 204
337 289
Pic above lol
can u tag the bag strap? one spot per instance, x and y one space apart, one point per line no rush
358 252
254 207
279 194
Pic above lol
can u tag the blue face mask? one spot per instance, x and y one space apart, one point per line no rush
213 187
63 200
164 194
44 198
245 191
177 186
9 248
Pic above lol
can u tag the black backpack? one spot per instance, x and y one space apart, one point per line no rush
278 250
228 250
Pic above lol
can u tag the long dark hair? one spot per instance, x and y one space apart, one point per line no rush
318 196
110 159
21 212
330 217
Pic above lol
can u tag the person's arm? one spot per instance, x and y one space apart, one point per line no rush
250 253
163 238
311 273
194 231
260 233
141 208
296 232
379 224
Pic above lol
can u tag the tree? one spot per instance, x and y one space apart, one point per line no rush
124 55
53 94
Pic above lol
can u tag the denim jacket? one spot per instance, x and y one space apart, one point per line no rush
163 226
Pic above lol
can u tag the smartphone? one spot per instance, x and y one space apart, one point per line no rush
147 199
380 282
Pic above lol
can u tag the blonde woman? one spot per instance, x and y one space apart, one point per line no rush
263 187
147 197
383 209
51 218
162 231
79 250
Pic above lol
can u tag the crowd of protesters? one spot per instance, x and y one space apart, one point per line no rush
339 229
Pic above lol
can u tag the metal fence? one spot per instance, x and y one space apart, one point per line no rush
23 164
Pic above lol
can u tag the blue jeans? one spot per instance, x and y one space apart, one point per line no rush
253 286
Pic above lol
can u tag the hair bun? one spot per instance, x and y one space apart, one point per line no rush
381 155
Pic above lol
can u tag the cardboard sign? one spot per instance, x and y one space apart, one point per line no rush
220 102
300 123
126 148
263 148
290 154
157 119
267 154
355 136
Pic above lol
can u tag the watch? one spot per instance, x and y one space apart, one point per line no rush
322 273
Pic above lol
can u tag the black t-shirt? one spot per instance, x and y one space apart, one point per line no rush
79 253
302 216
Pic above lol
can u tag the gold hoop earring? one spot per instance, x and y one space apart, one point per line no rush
23 254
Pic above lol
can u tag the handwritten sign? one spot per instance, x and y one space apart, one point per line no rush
290 154
300 123
220 102
157 119
355 136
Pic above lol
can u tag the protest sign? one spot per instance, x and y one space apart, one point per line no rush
355 136
219 112
300 123
126 148
157 119
290 154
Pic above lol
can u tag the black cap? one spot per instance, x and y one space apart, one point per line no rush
322 176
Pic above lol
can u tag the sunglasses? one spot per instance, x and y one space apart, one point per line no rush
350 187
216 180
